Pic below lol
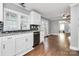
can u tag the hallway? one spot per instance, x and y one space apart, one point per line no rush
50 47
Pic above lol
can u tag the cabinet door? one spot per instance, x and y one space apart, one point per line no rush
21 44
38 19
8 46
35 18
30 40
24 43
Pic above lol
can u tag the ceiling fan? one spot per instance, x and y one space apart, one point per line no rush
66 17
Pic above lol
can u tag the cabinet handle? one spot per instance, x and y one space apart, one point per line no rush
3 46
9 37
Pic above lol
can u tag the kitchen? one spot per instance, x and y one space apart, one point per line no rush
21 29
40 29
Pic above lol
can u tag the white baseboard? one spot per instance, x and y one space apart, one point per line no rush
74 48
54 34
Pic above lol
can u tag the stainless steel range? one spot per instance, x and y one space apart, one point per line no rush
36 38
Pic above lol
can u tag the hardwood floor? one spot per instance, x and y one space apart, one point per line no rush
51 47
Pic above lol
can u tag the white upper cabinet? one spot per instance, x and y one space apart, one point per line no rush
35 18
1 11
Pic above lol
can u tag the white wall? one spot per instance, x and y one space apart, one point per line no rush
74 26
54 29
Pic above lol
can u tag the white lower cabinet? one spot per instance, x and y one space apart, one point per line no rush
8 46
30 40
24 43
21 44
16 44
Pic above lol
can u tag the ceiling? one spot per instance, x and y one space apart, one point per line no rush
52 11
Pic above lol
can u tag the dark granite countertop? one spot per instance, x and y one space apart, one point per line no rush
16 32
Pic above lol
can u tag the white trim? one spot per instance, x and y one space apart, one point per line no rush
74 4
54 34
74 48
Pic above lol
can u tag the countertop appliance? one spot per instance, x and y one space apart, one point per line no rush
36 38
34 27
1 26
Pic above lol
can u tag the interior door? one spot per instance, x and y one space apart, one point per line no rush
8 46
